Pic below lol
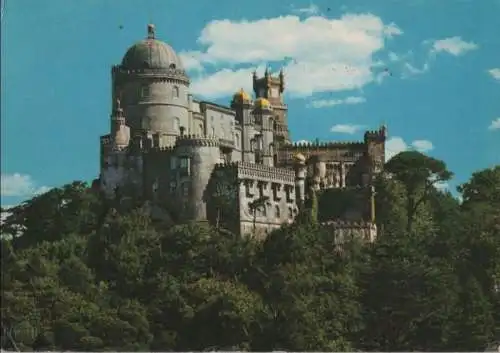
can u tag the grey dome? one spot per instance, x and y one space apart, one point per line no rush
151 53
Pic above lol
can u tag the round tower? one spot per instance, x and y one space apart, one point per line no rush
200 154
263 113
153 87
242 105
300 178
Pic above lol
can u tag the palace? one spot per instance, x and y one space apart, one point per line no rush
232 164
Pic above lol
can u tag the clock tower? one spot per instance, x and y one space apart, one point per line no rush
272 88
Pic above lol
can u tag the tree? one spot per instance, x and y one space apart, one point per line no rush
418 173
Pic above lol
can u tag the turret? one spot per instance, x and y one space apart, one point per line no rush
263 115
272 88
154 87
242 105
197 157
120 133
375 149
300 179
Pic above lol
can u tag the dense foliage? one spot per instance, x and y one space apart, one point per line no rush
81 273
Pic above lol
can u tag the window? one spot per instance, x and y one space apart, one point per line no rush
175 92
145 91
277 211
290 212
172 66
185 189
177 125
184 162
200 129
237 140
173 163
213 131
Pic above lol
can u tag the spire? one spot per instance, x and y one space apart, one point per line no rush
266 73
282 80
151 31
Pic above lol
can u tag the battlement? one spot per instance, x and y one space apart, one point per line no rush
149 71
376 135
161 149
259 171
106 140
197 140
322 145
349 224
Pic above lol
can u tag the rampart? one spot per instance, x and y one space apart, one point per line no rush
247 170
197 140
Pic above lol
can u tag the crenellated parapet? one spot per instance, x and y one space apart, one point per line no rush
330 151
169 74
197 140
376 135
323 144
106 140
344 230
162 149
340 224
259 171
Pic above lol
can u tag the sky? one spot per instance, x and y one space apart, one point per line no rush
429 70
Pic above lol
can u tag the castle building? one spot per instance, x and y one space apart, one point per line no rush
232 164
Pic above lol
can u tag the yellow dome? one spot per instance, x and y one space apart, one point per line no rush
262 103
241 95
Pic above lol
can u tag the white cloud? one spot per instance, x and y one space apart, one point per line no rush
310 10
191 60
495 73
320 54
346 128
410 70
422 145
395 145
393 56
495 124
322 103
453 45
20 185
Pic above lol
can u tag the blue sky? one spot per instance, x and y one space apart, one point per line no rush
428 69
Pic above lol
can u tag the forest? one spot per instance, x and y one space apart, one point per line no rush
83 273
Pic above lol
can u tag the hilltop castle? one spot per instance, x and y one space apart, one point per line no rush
235 164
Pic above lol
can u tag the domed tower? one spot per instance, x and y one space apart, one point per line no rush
153 88
242 105
263 114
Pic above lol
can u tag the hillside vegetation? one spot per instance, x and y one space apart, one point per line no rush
85 274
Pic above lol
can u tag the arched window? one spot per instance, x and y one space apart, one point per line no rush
200 128
237 140
253 145
172 66
175 92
